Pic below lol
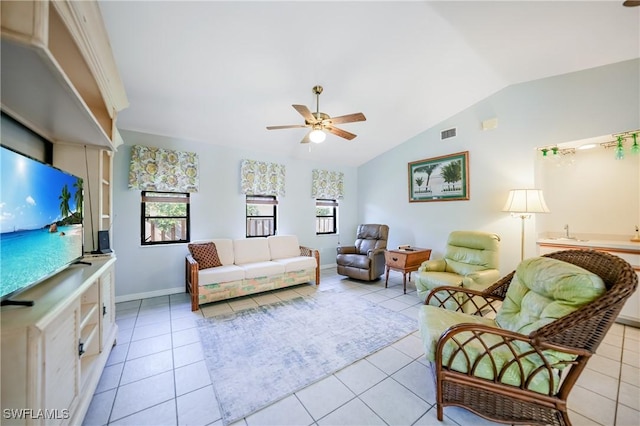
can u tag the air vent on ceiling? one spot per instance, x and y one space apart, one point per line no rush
448 134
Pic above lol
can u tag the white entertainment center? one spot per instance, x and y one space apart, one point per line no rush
53 352
59 80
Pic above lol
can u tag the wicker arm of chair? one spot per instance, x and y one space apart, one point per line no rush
466 349
472 302
191 280
311 252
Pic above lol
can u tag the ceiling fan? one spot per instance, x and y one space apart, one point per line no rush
319 122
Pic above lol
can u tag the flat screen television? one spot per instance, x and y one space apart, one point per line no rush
40 222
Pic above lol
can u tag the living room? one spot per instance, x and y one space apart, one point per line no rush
548 111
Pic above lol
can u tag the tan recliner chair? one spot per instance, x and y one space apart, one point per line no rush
365 259
470 261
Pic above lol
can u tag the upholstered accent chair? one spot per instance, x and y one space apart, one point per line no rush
517 356
470 261
365 259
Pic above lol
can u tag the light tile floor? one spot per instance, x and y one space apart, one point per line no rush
156 374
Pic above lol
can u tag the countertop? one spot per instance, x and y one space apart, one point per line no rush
603 243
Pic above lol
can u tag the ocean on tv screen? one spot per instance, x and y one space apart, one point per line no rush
40 220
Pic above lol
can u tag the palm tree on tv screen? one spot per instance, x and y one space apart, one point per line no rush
78 196
64 202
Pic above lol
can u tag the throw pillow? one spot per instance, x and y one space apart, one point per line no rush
205 254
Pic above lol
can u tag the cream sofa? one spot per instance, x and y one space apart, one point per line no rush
249 266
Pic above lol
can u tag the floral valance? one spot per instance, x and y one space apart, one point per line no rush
327 185
158 169
260 178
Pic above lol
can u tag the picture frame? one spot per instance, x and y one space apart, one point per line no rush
444 178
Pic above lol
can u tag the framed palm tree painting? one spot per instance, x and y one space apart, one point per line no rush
444 178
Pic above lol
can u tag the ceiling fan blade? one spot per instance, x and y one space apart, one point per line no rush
306 113
289 126
306 138
349 118
340 132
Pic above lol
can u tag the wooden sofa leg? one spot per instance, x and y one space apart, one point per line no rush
317 256
191 282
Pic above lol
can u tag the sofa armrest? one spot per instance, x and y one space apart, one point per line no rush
434 265
346 250
191 280
311 252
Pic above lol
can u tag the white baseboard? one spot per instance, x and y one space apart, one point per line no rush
329 266
149 294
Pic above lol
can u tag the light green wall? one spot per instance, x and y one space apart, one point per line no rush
543 112
217 211
569 107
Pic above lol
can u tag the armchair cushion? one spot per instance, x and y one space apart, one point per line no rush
434 321
545 289
353 260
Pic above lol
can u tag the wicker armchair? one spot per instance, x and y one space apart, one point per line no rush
509 391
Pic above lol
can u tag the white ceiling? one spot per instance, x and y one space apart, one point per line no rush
220 72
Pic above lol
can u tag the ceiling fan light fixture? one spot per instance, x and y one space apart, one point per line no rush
317 136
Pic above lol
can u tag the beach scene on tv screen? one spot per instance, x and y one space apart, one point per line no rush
40 221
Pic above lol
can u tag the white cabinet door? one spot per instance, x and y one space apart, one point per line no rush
61 363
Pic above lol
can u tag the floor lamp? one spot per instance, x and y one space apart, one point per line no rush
522 203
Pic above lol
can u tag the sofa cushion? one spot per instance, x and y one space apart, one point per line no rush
251 250
205 254
262 269
283 246
297 263
221 274
224 247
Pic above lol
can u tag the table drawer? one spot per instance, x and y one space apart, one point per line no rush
406 259
395 260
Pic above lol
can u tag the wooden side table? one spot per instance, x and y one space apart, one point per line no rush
405 261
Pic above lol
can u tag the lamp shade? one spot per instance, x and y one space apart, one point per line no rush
526 201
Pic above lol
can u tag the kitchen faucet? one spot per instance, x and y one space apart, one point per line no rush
566 228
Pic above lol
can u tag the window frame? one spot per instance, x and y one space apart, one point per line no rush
334 204
261 200
185 198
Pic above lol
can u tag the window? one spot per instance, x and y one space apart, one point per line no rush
326 217
261 215
164 218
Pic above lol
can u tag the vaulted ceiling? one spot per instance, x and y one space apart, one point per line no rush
220 72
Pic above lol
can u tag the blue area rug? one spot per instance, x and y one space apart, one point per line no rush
260 355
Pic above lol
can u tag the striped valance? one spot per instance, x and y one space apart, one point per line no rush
261 178
327 185
158 169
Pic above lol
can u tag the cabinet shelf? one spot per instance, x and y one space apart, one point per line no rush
88 337
88 312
